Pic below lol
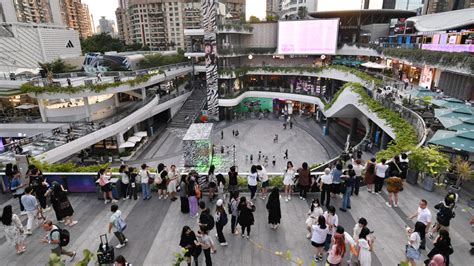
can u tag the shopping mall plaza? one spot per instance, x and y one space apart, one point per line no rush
346 82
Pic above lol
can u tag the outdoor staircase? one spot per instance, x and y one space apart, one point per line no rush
191 109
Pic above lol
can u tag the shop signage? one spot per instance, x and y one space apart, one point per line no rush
426 77
449 47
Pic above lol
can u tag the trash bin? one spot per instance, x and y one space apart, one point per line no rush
325 131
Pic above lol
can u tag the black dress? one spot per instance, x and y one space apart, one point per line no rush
188 242
441 247
64 207
245 215
274 211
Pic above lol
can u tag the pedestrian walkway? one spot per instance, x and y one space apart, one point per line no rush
154 229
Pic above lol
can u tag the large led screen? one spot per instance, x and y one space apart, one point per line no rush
305 37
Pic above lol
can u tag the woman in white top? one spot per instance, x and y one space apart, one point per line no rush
262 173
332 220
412 252
288 179
173 181
318 237
364 248
314 212
358 168
13 229
325 182
124 181
252 181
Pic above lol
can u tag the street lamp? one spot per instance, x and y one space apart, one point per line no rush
233 146
250 57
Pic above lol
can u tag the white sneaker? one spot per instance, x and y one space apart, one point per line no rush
286 200
28 232
289 198
224 244
124 199
395 205
114 201
126 240
46 209
23 213
388 204
106 201
160 197
73 223
119 246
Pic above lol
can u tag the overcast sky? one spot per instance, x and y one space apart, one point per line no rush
99 8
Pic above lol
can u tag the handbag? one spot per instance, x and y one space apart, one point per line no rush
150 178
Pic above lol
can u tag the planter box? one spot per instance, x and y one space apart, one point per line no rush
428 183
412 176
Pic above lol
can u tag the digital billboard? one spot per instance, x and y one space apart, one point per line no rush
307 37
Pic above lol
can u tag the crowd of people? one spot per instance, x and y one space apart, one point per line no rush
330 240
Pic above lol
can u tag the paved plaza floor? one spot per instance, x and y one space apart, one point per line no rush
154 229
254 136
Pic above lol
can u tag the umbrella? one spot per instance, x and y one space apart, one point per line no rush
127 144
461 141
450 113
141 134
26 106
448 104
134 139
449 122
463 127
422 93
373 65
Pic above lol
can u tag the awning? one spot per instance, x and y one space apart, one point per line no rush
449 122
134 139
373 65
26 106
461 141
451 113
127 144
448 104
420 92
141 134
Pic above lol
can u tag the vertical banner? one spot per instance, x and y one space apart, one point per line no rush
209 21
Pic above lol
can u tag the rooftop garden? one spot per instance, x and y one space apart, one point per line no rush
241 71
29 87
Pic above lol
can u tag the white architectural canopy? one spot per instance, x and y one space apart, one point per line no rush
444 21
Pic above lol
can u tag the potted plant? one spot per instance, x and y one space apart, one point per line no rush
463 169
415 165
435 163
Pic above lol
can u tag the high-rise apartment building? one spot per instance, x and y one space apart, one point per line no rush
31 11
291 8
160 24
438 6
106 26
76 15
273 7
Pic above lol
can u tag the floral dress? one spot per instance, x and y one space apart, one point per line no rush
14 231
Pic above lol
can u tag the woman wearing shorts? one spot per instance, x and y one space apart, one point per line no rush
318 237
262 174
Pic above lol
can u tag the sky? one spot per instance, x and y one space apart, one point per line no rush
98 8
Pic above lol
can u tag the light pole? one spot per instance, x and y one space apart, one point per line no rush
233 146
192 74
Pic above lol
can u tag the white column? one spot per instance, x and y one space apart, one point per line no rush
42 111
143 94
87 108
116 100
120 138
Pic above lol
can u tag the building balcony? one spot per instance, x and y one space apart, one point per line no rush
235 52
193 32
235 29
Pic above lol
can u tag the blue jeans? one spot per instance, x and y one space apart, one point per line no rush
346 198
146 190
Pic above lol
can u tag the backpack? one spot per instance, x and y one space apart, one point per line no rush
444 215
35 181
209 222
223 219
120 223
64 236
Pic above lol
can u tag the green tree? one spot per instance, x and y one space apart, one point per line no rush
56 66
102 43
271 18
156 60
302 12
253 19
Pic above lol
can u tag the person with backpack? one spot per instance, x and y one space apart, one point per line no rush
105 186
232 208
444 215
117 223
221 221
58 238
